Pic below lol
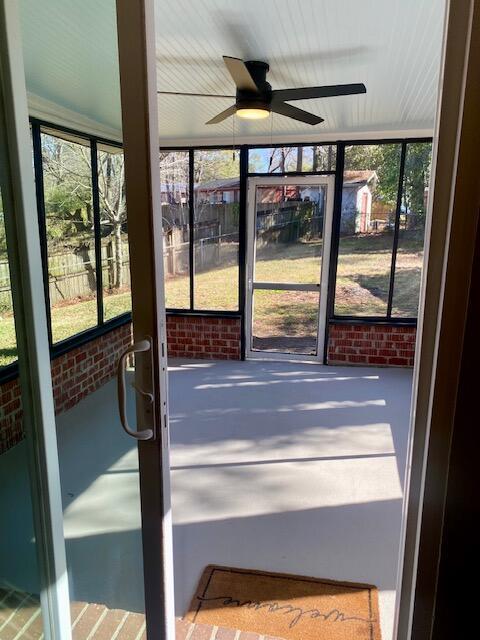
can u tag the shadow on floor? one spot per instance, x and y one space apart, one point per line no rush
277 466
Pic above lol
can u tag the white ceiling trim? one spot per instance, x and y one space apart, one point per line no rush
316 138
55 114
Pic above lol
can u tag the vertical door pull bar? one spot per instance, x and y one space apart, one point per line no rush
137 347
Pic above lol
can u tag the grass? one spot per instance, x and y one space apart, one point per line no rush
67 320
363 277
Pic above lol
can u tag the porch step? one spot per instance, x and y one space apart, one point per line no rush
20 619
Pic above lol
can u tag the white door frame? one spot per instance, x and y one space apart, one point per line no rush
23 239
253 183
138 84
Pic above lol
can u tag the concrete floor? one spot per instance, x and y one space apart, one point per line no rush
277 466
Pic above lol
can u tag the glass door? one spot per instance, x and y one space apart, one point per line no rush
288 257
95 418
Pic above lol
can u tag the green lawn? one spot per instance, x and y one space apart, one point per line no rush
362 289
67 320
363 275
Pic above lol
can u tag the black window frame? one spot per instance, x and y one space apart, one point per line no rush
191 310
388 318
10 371
102 326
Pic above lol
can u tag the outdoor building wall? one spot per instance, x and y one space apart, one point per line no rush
371 344
84 369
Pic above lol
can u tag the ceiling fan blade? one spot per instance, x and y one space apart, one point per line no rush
196 95
297 114
223 115
307 93
240 74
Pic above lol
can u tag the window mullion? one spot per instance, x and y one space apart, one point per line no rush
40 197
191 215
396 232
97 230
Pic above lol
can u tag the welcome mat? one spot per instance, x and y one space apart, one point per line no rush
285 606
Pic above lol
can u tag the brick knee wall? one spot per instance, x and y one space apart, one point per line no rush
84 369
75 375
81 371
367 344
204 337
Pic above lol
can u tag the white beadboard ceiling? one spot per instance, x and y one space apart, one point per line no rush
393 46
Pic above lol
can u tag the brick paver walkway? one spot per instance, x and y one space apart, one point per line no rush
20 619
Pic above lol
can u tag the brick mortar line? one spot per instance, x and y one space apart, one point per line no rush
77 619
142 629
190 631
97 624
29 622
10 617
120 625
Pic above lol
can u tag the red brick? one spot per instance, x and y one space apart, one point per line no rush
387 352
202 632
182 627
390 341
225 634
84 369
357 359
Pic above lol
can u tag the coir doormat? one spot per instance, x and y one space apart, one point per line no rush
285 606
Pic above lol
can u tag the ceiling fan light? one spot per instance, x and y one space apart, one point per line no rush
253 113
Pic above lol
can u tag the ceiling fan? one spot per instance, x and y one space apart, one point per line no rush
255 97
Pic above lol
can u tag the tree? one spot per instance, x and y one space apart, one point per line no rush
217 164
174 180
384 159
417 179
113 207
67 175
68 201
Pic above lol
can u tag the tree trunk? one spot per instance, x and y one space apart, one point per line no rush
118 255
299 159
83 250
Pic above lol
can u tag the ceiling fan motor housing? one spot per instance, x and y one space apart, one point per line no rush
251 99
255 98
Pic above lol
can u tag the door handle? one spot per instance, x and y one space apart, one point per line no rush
137 347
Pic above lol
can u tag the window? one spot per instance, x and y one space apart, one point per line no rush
381 238
68 199
86 235
216 229
292 159
409 258
117 297
174 185
8 342
367 223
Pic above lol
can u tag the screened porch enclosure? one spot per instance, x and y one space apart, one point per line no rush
291 258
375 257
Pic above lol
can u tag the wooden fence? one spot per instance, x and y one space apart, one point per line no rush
72 274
